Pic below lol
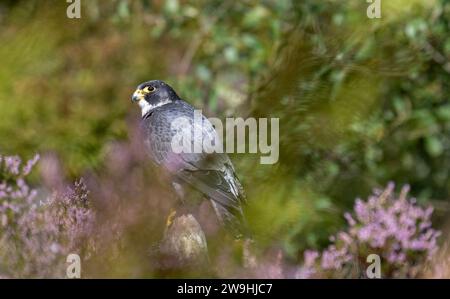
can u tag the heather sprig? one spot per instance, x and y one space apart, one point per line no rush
395 228
35 235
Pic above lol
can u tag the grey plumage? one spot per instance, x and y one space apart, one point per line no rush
212 174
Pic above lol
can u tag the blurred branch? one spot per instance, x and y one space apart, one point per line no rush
440 205
205 29
437 57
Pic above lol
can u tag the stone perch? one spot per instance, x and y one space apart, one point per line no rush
184 245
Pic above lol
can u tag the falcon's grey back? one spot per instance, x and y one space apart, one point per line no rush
212 174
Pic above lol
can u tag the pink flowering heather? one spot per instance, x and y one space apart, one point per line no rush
396 229
36 235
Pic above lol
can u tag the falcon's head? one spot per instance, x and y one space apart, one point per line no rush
152 94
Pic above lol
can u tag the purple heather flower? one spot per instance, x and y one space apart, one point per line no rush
395 228
30 164
310 257
349 219
41 235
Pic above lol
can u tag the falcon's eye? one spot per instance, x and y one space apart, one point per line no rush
148 89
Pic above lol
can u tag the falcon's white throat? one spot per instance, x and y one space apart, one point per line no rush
146 106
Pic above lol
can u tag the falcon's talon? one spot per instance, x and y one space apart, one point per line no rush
171 217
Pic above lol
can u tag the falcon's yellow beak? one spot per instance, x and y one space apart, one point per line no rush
138 95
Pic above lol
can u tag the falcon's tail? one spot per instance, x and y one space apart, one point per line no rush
232 218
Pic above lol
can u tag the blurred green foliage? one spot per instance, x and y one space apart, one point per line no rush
361 101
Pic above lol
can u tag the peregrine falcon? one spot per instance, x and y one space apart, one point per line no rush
211 173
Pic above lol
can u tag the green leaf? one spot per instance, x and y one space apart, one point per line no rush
434 146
